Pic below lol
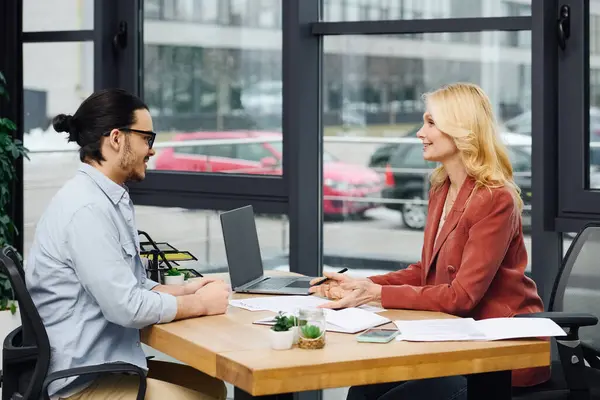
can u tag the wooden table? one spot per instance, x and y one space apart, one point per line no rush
233 349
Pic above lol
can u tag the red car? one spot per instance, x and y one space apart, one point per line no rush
250 152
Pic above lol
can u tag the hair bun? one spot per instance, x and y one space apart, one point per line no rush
64 123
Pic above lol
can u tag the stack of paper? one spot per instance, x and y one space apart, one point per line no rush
461 329
348 320
289 304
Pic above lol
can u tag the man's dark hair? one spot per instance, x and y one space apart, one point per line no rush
100 113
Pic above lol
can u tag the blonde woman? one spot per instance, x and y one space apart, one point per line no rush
473 258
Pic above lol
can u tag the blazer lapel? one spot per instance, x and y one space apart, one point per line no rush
433 222
451 220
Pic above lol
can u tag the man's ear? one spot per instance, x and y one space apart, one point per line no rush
114 138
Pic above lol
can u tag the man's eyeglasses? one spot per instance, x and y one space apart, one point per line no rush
149 134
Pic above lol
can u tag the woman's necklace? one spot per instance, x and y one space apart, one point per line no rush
450 199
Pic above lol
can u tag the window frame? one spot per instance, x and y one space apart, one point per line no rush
268 193
298 192
577 204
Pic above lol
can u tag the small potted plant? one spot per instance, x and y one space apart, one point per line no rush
174 277
311 337
187 275
283 333
312 325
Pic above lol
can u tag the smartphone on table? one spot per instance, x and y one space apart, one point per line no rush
377 335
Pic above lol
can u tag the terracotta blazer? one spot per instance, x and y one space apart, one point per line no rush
475 268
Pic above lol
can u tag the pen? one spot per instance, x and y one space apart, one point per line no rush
326 279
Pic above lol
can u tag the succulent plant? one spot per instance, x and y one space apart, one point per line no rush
283 323
311 331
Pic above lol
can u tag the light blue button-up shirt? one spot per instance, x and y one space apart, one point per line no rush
87 279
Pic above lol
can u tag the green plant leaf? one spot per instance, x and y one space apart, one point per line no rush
174 272
10 150
8 124
282 323
311 331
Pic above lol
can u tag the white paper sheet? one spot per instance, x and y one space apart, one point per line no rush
348 320
371 308
288 304
465 329
439 330
511 328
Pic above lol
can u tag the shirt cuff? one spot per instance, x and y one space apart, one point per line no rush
169 307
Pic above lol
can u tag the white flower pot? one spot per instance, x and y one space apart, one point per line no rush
174 280
282 340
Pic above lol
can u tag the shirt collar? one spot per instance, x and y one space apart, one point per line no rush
114 191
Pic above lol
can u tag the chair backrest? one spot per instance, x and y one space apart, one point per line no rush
577 285
26 351
11 252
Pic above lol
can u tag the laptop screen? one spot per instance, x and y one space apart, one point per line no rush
241 245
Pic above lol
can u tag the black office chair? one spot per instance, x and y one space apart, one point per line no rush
574 305
26 351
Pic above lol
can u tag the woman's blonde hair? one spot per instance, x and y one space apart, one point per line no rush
463 111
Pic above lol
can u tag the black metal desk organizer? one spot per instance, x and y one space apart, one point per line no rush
162 256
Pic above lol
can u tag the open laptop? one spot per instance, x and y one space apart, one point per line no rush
245 261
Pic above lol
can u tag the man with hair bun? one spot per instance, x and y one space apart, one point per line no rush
84 271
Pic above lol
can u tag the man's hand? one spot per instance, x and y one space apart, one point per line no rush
355 293
213 297
194 284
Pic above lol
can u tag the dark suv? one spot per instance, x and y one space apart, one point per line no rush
407 177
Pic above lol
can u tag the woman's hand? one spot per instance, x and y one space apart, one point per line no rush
356 293
346 291
331 287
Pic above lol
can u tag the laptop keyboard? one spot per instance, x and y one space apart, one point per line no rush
271 284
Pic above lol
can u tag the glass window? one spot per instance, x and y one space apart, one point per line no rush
334 10
52 85
594 134
375 210
238 12
63 15
252 152
413 157
222 150
520 158
267 15
207 10
181 10
418 9
189 150
152 9
199 232
201 79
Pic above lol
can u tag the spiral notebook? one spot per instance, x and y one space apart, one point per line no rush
348 320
